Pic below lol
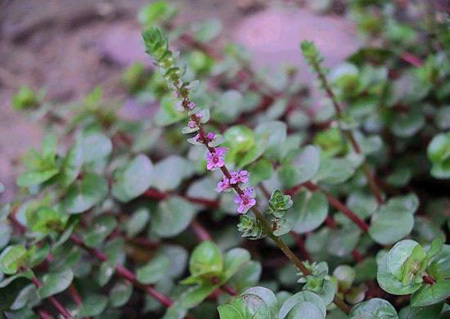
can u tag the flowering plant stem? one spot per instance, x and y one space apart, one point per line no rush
258 214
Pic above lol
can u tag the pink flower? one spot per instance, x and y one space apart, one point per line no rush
223 185
216 159
192 124
209 137
191 105
239 177
245 201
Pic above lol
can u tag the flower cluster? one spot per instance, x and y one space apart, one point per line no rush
245 200
236 178
157 47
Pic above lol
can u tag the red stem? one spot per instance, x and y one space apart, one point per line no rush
125 273
43 314
76 297
411 59
58 306
224 288
201 233
357 256
428 280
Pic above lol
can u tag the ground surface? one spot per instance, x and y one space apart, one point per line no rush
67 47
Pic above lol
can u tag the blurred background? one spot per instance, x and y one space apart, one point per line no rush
67 47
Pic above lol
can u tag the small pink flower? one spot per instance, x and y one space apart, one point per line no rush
191 105
223 185
192 124
216 159
209 137
245 201
239 177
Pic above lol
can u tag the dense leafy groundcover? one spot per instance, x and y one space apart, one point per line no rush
341 211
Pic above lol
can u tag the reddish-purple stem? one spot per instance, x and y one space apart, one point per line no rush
124 273
43 314
55 303
201 233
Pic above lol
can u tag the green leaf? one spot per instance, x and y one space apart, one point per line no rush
421 312
260 171
195 295
93 305
307 164
374 309
172 217
335 170
120 294
439 266
48 220
305 310
56 282
5 234
12 258
207 30
234 261
312 301
398 255
280 202
389 283
274 133
239 139
178 257
206 260
31 178
431 294
234 310
258 297
156 12
389 224
85 194
71 165
247 276
439 154
309 211
343 240
154 270
170 172
134 180
25 98
137 222
95 146
438 149
407 124
99 230
176 311
27 297
345 276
